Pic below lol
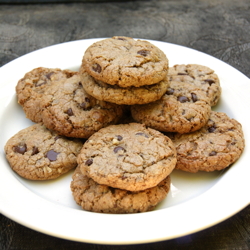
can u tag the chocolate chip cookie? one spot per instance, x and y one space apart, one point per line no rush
214 147
184 108
125 62
122 96
31 88
37 153
95 197
127 156
70 111
200 76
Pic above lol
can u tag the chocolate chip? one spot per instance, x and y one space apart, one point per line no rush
211 129
182 99
49 75
97 68
142 134
143 52
170 91
112 190
35 150
52 155
21 149
194 97
85 106
182 74
213 153
209 81
119 137
89 162
121 38
116 149
70 112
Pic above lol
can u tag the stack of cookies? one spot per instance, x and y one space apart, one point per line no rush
205 140
63 114
122 70
124 168
186 105
56 98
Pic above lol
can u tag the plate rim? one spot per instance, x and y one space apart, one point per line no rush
7 207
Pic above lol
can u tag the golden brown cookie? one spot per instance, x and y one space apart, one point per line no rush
122 96
31 88
125 62
200 76
128 156
95 197
37 153
70 111
214 147
184 108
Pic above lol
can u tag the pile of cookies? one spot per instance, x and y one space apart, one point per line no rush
205 140
125 121
122 70
124 168
56 98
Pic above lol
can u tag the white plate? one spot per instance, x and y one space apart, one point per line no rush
196 201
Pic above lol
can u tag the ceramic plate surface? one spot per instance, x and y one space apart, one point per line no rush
195 202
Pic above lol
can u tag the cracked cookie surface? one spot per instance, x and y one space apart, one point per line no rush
70 111
37 153
200 76
127 96
32 86
183 108
214 147
95 197
125 62
127 156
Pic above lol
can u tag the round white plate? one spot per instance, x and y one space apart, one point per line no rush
195 202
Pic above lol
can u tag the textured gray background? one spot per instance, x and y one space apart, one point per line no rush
219 28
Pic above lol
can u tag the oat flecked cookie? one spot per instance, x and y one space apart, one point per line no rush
31 88
95 197
70 111
198 75
125 62
127 156
128 96
183 108
37 153
214 147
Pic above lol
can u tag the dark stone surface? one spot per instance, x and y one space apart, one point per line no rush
219 28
